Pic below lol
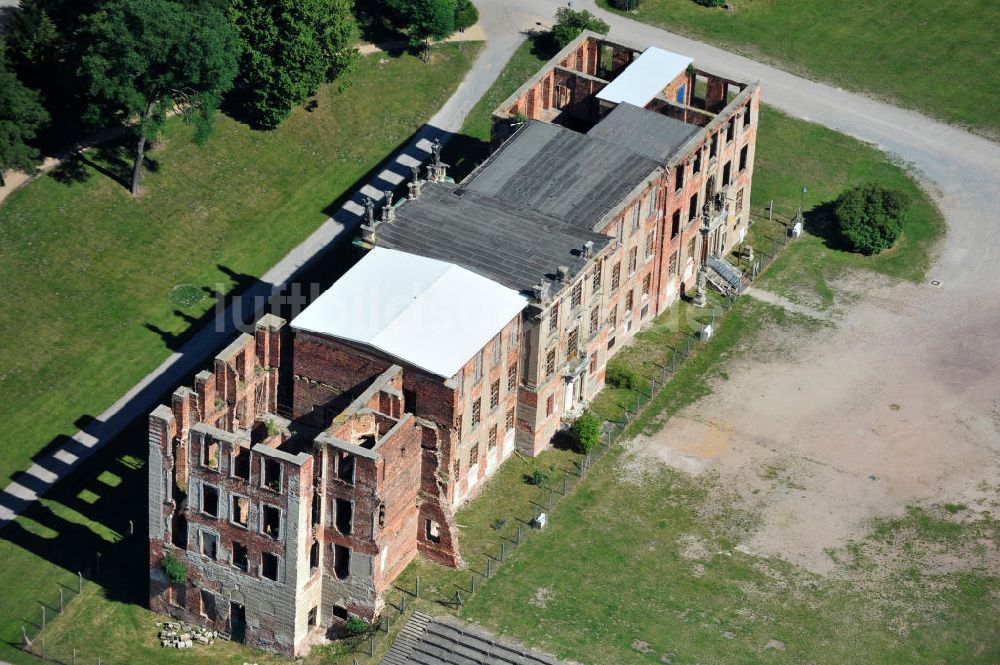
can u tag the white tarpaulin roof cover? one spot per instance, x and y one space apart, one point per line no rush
432 314
645 78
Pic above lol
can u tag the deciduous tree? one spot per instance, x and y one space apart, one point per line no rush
424 20
870 217
146 58
21 114
570 23
289 48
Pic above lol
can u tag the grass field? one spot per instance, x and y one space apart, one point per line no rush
98 287
937 57
614 578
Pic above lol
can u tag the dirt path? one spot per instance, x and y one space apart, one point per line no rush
887 408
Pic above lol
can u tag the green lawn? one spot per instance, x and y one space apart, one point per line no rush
96 284
937 57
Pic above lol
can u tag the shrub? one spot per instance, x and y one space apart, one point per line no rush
356 626
711 3
539 478
466 15
626 5
870 217
570 23
174 569
620 375
587 429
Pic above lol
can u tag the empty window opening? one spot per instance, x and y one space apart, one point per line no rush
680 177
693 207
269 566
210 500
410 401
345 467
177 594
713 146
731 130
344 516
271 521
746 116
744 153
340 612
341 561
431 531
696 167
381 516
572 345
313 616
179 532
209 544
726 172
315 510
675 224
477 368
241 463
272 474
240 510
208 605
241 557
476 412
314 556
210 453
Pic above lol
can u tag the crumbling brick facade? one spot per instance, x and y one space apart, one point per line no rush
291 518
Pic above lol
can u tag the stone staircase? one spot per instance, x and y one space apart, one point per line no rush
443 641
407 640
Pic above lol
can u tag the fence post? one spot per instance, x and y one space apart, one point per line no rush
43 614
80 587
473 584
489 567
371 645
517 536
563 489
770 209
416 593
503 551
74 656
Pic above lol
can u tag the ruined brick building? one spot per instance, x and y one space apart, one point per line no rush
478 322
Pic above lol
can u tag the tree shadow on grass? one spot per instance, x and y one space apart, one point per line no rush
821 222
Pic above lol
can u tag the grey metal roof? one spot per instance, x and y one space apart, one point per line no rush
507 244
648 133
427 640
559 172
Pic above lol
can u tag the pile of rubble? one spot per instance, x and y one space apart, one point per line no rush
183 636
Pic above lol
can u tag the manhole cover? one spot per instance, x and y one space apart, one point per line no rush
936 283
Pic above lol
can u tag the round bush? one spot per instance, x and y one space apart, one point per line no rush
466 15
870 217
587 429
356 626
